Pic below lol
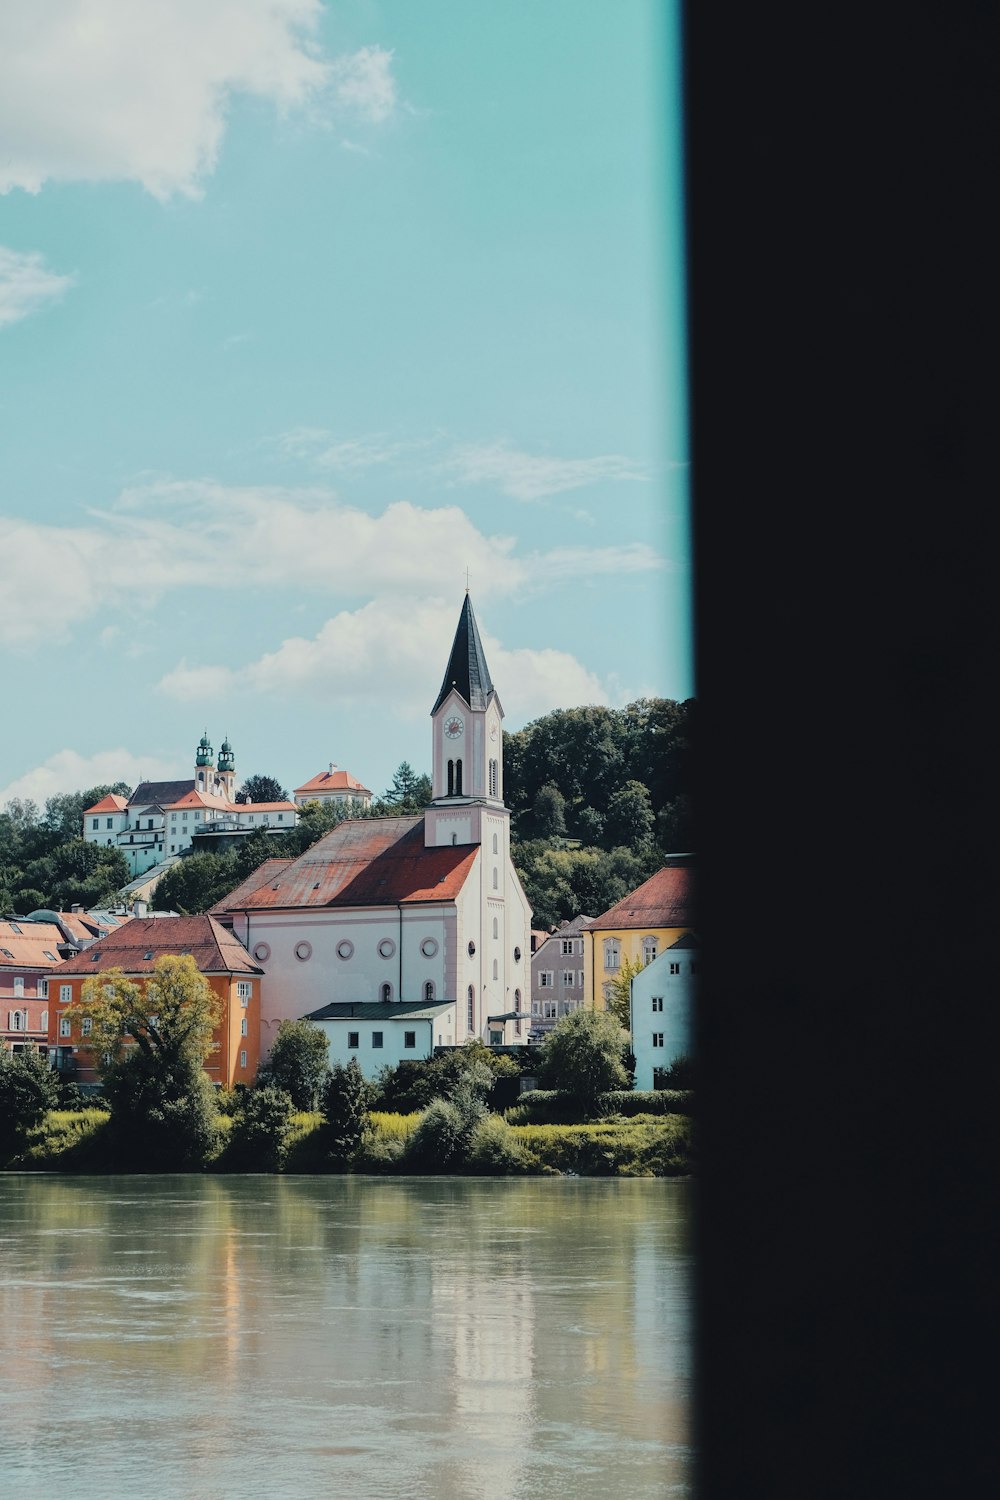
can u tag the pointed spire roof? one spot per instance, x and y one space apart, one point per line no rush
467 670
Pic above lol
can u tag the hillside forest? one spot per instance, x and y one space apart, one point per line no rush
598 798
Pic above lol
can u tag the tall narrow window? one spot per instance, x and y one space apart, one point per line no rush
471 1018
386 993
429 990
494 879
458 778
451 778
496 848
496 927
496 972
517 1007
494 778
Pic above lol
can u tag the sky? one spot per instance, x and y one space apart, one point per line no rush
310 310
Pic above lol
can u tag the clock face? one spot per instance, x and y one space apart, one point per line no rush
453 727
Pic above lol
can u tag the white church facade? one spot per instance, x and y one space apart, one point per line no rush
397 935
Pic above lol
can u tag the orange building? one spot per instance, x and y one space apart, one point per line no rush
134 948
28 951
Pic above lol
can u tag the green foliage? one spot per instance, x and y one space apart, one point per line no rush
163 1113
169 1019
28 1090
412 1085
68 1141
409 792
549 811
619 992
563 883
583 1054
260 788
443 1139
679 1074
494 1149
345 1096
261 1131
196 882
297 1063
637 1148
629 821
44 861
674 1101
544 1107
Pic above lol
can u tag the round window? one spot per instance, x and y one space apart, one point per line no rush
472 949
517 955
303 951
262 952
428 947
345 949
387 948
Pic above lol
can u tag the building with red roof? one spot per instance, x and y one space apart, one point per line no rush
398 935
29 951
333 785
638 927
134 948
166 818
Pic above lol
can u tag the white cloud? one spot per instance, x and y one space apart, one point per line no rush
528 476
363 84
67 771
383 650
112 90
26 284
165 535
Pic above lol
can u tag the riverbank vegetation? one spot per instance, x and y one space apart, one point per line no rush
458 1113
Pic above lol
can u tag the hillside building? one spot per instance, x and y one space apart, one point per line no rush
334 785
162 818
638 927
29 951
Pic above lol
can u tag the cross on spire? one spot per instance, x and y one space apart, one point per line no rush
466 580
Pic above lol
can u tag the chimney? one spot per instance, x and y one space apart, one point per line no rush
76 906
333 767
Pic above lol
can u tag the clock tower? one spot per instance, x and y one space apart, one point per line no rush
467 732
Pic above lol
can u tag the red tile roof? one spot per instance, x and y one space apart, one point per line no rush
333 781
252 807
112 803
666 899
362 862
201 799
214 950
29 948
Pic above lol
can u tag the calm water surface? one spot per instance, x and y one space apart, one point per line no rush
192 1338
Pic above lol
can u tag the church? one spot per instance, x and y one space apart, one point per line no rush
398 935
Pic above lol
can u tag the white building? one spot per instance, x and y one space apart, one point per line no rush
662 1007
161 818
333 785
397 935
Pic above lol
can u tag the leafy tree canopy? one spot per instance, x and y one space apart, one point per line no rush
28 1090
298 1063
168 1018
409 792
261 788
584 1054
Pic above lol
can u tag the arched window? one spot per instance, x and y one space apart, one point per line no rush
496 848
451 778
454 838
471 1016
496 972
612 953
429 990
517 1007
386 993
458 778
496 927
495 878
494 778
648 949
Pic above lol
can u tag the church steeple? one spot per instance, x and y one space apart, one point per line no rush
467 759
467 671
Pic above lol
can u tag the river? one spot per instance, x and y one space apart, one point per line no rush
209 1338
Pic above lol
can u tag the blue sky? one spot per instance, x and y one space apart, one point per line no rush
305 308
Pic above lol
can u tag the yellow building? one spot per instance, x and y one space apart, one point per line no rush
638 927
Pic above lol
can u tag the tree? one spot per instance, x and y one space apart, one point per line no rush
261 788
28 1090
583 1054
196 882
409 792
344 1102
150 1042
619 991
261 1128
549 808
298 1062
630 820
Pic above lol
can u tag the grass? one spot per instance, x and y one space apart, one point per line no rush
643 1146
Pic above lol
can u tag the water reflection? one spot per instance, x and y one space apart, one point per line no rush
189 1337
